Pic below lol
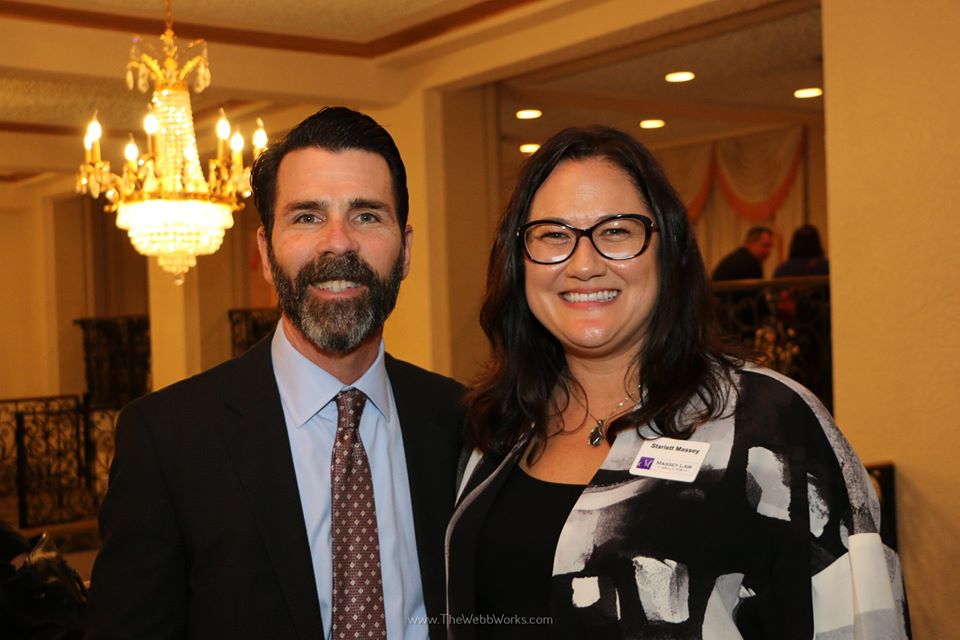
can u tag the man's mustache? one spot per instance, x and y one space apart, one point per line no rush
348 266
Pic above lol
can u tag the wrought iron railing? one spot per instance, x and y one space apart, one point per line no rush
8 443
101 425
116 353
55 455
248 326
9 409
787 320
54 475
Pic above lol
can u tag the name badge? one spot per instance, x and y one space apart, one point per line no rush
670 459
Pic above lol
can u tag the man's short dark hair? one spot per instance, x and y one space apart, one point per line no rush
334 129
754 233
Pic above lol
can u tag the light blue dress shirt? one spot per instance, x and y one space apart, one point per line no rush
307 393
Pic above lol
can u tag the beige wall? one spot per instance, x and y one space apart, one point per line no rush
471 204
22 337
816 177
893 157
30 339
73 299
223 283
175 316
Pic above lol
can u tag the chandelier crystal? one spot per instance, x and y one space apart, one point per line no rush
162 199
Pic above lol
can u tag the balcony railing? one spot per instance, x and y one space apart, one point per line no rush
55 454
788 321
116 354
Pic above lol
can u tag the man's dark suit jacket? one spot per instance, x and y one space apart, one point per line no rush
202 526
739 265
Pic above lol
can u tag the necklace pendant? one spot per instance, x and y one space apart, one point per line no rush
596 434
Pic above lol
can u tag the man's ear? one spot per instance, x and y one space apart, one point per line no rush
262 246
407 248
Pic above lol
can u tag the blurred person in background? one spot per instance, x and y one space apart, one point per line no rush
746 262
806 256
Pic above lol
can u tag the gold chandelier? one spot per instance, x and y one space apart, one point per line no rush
161 198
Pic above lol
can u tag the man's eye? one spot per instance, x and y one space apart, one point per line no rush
368 217
306 218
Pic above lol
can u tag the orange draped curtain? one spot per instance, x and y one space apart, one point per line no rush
754 174
733 184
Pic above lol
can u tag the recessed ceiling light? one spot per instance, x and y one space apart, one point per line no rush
653 123
529 114
809 92
679 76
529 148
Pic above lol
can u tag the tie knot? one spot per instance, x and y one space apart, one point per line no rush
350 405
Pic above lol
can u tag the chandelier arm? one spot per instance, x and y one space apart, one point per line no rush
189 66
150 63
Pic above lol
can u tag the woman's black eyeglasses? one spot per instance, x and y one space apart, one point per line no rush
617 237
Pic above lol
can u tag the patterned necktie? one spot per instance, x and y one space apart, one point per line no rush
357 590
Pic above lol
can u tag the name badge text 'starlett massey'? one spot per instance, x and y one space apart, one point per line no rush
670 459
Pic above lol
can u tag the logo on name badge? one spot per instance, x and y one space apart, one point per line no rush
670 459
645 462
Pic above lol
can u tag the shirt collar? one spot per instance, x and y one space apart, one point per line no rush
305 388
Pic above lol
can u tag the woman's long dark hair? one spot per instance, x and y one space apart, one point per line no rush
805 242
682 369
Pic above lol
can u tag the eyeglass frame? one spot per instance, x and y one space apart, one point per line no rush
649 226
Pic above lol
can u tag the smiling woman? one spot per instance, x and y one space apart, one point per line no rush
680 491
596 305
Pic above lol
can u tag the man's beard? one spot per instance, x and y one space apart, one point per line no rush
337 326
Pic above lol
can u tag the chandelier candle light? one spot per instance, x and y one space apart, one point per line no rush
161 198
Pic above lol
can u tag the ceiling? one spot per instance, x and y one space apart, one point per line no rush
745 79
356 20
747 69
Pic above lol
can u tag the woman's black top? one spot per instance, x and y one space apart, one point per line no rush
515 556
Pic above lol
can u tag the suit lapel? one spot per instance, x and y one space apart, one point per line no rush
430 448
258 444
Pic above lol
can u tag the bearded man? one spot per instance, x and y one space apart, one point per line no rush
302 489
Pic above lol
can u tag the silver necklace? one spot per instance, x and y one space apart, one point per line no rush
597 434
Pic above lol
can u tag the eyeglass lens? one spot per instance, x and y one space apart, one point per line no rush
617 239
